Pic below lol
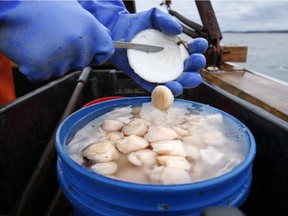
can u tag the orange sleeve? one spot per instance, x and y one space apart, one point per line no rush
7 88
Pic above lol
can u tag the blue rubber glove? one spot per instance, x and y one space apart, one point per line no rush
124 26
48 38
190 78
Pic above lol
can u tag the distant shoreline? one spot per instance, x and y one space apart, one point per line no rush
275 31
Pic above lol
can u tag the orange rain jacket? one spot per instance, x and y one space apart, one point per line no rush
7 88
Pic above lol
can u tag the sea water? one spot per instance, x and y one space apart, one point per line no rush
267 52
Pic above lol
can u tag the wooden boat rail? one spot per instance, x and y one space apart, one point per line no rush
265 92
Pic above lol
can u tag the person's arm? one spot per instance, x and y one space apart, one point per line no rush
48 38
124 26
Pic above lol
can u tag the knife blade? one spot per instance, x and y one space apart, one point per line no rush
141 47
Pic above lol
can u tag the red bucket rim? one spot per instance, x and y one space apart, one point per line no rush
99 100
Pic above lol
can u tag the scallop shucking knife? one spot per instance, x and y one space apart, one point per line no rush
141 47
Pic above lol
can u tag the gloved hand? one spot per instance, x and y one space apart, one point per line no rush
48 38
190 78
124 26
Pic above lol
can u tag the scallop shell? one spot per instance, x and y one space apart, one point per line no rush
159 67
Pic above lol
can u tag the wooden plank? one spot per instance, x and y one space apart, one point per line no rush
234 53
266 93
227 54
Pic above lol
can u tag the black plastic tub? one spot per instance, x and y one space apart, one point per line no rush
27 125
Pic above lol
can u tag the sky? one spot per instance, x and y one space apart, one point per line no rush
241 15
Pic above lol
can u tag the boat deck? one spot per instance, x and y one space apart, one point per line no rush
265 92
